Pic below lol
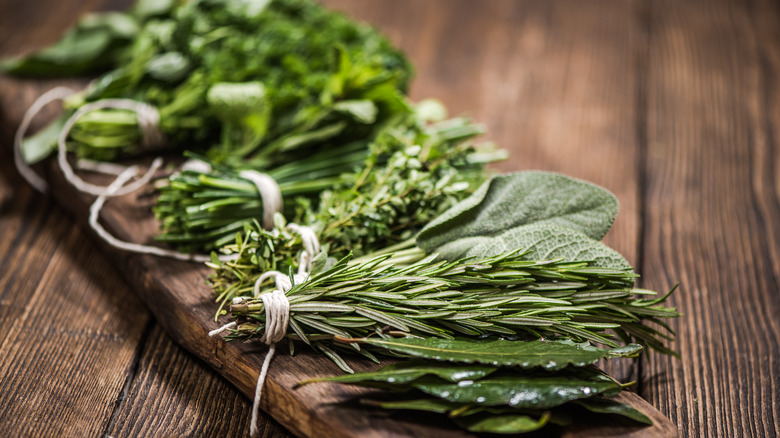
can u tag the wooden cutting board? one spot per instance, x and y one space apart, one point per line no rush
177 294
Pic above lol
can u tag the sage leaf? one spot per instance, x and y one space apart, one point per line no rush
531 390
504 424
548 354
509 201
608 406
409 371
541 242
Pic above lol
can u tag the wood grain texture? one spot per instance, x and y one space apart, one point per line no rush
65 350
76 354
712 218
176 292
673 106
169 392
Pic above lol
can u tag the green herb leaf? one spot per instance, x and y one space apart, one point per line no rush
533 390
548 354
94 44
409 371
436 405
38 146
608 406
511 201
542 241
504 423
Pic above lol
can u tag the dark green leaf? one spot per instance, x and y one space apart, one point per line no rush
406 372
533 390
608 406
503 424
93 44
436 405
549 354
40 145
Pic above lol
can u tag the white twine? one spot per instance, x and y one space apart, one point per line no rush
94 215
100 166
269 193
277 309
227 326
311 246
277 318
196 165
148 121
27 172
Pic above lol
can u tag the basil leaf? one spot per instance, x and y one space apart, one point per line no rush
95 43
40 145
513 200
548 354
363 111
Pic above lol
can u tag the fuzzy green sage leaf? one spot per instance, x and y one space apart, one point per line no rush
509 201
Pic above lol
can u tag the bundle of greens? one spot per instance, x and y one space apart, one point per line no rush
416 167
519 257
513 278
255 82
499 290
497 386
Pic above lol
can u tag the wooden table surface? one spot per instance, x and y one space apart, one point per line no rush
674 106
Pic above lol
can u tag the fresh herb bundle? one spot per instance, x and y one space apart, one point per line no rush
255 82
203 211
499 300
503 295
414 168
534 269
497 386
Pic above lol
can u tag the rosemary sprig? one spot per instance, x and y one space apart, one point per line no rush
497 296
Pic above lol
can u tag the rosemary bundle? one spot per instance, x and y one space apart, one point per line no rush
500 296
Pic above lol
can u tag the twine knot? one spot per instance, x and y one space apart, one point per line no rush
269 193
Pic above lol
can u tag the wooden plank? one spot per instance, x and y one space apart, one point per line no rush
66 347
170 392
63 361
44 398
712 213
176 292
